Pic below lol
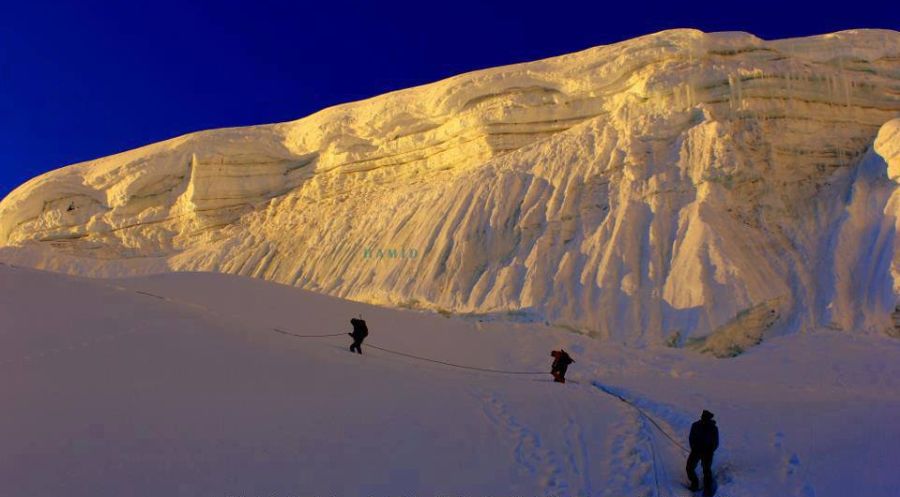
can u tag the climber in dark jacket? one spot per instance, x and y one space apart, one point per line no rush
360 332
704 441
561 361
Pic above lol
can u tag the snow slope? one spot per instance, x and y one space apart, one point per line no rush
177 385
708 190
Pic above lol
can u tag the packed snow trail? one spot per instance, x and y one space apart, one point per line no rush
640 411
662 480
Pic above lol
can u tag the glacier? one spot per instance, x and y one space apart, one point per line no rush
705 190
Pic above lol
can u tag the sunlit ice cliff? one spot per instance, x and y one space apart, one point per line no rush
703 190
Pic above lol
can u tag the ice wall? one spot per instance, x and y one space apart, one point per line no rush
684 188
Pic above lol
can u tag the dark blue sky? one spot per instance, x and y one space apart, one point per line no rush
84 79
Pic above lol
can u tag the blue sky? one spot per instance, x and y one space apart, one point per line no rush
80 80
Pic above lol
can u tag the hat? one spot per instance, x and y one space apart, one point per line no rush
706 415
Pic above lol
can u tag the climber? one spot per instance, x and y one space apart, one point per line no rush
704 441
360 332
561 361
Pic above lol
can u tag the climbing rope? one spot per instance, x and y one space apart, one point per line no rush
160 297
653 452
655 466
276 330
412 356
460 366
389 351
644 414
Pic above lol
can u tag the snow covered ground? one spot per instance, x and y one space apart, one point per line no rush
110 390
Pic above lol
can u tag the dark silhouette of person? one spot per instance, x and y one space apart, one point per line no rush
561 361
704 440
360 332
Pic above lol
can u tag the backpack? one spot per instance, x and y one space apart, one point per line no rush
359 328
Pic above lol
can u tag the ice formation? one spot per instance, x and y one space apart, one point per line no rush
685 188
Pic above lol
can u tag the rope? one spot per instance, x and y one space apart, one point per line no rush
411 356
160 297
389 351
661 468
653 451
655 465
276 330
460 366
644 414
